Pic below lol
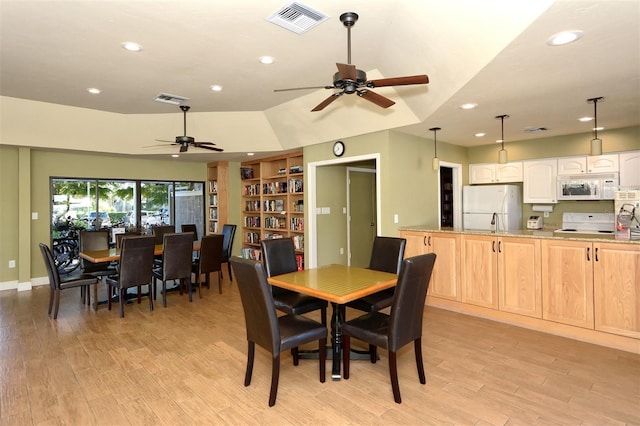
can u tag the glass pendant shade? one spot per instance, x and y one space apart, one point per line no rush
502 154
435 163
596 146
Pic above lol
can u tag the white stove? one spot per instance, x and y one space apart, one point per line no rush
587 223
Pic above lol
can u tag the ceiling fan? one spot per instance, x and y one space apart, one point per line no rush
351 80
186 141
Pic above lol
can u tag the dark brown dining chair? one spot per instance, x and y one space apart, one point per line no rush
58 284
176 263
401 327
209 261
190 227
386 256
89 241
122 235
279 257
267 330
135 269
159 231
229 232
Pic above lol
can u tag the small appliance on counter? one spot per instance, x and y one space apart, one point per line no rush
587 223
535 222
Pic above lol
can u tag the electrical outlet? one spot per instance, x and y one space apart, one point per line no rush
395 218
546 214
12 264
341 250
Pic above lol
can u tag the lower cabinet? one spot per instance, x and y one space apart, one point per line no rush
480 270
445 279
520 276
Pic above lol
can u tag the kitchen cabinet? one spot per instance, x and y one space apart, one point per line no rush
567 282
629 169
606 163
495 173
572 165
540 181
445 278
616 283
479 271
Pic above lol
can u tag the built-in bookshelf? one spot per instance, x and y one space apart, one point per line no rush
217 196
273 203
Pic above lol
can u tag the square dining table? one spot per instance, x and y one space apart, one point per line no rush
337 284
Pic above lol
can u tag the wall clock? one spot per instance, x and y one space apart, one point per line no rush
338 148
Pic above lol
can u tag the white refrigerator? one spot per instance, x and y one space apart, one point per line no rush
492 207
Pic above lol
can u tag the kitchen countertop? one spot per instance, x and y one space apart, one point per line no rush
526 233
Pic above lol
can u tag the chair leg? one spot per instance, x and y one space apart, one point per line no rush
230 276
95 296
139 294
123 293
150 294
164 293
373 353
275 375
417 345
295 354
199 282
250 353
109 296
346 349
323 316
188 284
322 358
393 372
219 282
57 304
51 297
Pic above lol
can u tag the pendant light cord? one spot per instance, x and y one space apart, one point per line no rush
435 140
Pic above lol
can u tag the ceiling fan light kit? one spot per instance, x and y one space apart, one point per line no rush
596 142
350 80
502 154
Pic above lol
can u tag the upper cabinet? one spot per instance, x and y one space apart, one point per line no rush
588 164
630 170
572 165
495 173
539 181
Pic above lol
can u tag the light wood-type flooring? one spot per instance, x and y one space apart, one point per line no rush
185 365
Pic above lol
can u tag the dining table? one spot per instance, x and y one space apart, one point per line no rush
337 284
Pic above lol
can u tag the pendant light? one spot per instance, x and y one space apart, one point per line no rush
435 163
596 143
502 154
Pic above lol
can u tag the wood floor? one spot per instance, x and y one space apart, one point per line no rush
185 364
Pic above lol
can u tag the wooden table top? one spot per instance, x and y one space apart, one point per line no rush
336 283
113 254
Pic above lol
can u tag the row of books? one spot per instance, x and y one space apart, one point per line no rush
252 238
213 200
252 189
295 185
274 188
275 222
213 186
298 242
300 262
252 221
273 206
251 253
297 224
213 227
213 214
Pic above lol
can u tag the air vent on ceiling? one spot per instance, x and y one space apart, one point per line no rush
297 17
534 129
170 99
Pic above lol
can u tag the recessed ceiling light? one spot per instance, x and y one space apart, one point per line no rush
564 37
93 90
175 155
131 46
585 119
480 134
267 59
216 88
598 128
498 140
468 106
250 154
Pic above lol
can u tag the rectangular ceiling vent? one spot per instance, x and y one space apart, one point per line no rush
170 99
297 17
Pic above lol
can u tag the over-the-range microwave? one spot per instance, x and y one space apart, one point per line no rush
588 186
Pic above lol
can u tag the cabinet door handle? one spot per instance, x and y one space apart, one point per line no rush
429 241
589 254
424 240
596 254
499 246
493 246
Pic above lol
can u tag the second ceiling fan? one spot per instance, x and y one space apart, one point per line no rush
351 80
186 141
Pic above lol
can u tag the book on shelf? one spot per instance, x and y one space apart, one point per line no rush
252 238
252 221
297 224
246 173
295 169
300 262
213 227
298 242
272 236
296 185
213 186
213 200
251 253
213 213
298 206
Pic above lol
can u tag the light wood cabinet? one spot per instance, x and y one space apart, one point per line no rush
629 170
495 173
480 270
445 279
567 282
520 276
273 203
616 283
540 181
218 196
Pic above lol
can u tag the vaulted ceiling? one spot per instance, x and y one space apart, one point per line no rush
492 53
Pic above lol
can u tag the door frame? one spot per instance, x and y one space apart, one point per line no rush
311 258
357 170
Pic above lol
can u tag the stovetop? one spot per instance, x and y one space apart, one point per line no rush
587 223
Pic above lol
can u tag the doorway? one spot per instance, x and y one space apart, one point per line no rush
450 195
361 215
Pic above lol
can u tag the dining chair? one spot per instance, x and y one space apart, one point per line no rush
402 326
229 232
386 255
57 284
160 230
279 257
135 269
267 330
209 261
89 241
122 235
176 263
190 227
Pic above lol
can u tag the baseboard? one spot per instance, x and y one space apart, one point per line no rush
26 286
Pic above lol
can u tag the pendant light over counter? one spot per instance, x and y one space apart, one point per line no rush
596 143
502 154
435 163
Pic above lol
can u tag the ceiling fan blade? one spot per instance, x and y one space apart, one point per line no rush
211 148
326 102
184 148
379 100
347 72
398 81
202 143
304 88
163 140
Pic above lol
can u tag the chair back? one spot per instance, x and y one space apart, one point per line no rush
279 256
387 254
93 240
259 311
229 231
190 227
159 231
122 235
176 255
405 322
136 261
211 253
52 270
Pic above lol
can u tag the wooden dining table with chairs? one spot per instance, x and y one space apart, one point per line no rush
113 254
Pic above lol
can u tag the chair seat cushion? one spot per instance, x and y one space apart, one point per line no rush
297 330
77 281
372 327
373 302
296 303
